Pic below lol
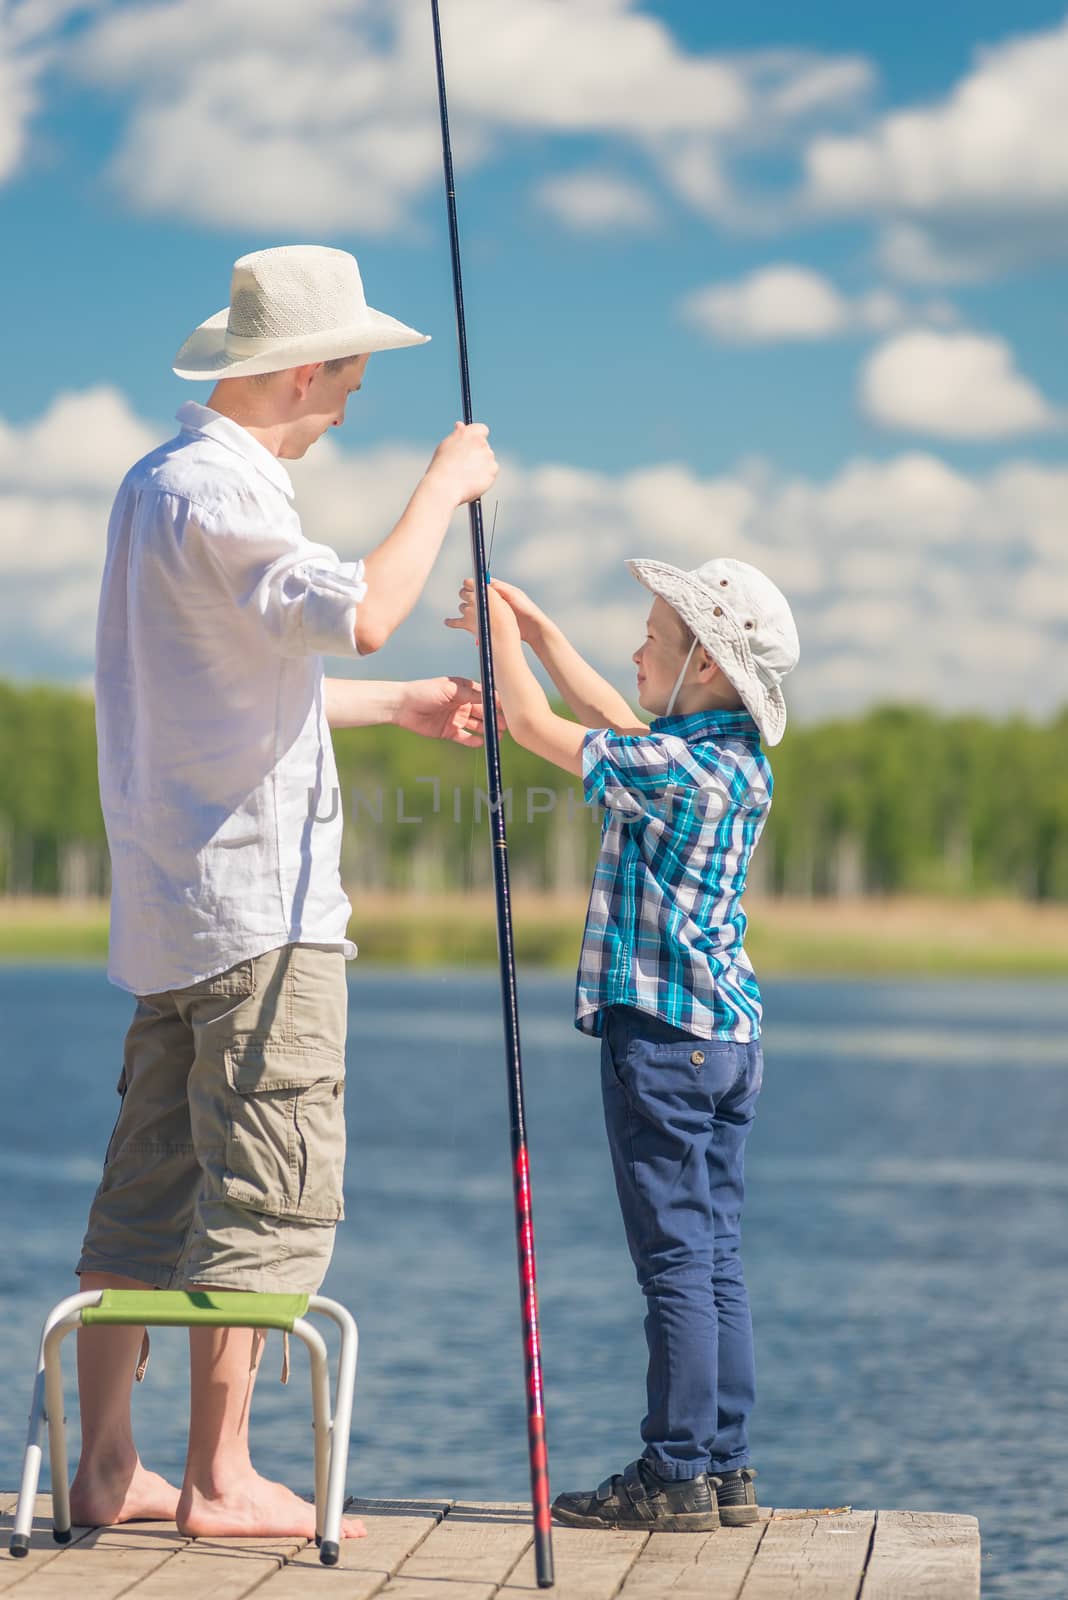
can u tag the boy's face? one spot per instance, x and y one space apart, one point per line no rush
323 405
659 660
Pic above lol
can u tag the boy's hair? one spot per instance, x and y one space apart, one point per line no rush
684 628
332 367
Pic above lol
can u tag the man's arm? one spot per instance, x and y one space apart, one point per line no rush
438 708
357 703
592 698
462 468
530 719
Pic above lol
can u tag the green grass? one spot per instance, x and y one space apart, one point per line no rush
57 939
782 954
861 939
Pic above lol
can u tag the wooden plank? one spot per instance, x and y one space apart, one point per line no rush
694 1566
924 1554
104 1564
484 1552
474 1549
394 1530
817 1558
590 1564
225 1569
43 1548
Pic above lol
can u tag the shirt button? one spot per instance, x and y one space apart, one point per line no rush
698 1058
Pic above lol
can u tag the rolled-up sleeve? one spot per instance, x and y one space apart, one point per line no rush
301 594
308 605
639 776
619 769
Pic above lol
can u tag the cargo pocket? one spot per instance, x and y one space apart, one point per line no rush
217 999
285 1148
120 1090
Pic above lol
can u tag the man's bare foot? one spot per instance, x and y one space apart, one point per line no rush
253 1507
101 1496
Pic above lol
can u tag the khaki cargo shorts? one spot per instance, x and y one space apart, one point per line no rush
225 1167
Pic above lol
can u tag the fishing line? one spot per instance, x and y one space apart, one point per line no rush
493 535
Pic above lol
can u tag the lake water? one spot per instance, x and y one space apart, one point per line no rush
906 1247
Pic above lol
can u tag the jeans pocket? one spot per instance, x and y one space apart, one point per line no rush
668 1065
285 1146
678 1084
696 1053
614 1046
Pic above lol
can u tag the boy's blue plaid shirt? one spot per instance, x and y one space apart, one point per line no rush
684 806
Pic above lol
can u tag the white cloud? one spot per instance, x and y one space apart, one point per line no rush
911 253
27 34
970 185
952 385
230 121
597 202
83 442
58 475
913 500
16 103
787 302
908 577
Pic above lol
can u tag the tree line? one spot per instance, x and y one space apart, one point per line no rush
900 800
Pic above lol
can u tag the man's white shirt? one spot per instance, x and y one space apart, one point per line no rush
217 775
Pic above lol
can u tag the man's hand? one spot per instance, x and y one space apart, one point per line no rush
463 464
503 620
442 708
531 618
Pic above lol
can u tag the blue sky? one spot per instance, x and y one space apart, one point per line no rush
780 282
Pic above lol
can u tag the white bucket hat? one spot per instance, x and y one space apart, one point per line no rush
290 306
744 622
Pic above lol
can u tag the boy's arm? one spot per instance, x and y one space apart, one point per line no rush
592 698
531 720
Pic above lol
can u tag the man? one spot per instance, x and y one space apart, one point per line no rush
228 916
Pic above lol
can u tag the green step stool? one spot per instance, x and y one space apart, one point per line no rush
198 1308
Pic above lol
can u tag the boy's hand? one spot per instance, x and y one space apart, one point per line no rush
442 708
463 463
503 619
531 618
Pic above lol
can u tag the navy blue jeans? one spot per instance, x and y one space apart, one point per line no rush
678 1111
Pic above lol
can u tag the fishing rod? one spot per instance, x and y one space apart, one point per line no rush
524 1219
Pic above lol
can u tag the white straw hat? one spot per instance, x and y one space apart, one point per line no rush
288 307
744 622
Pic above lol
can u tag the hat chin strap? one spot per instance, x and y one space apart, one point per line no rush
679 679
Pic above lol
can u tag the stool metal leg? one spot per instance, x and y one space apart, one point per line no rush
31 1471
342 1427
47 1405
57 1433
320 1387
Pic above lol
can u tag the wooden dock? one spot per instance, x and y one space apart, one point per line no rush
440 1550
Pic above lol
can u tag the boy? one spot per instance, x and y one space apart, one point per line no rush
666 984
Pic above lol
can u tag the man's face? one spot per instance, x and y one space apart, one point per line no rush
660 658
323 405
